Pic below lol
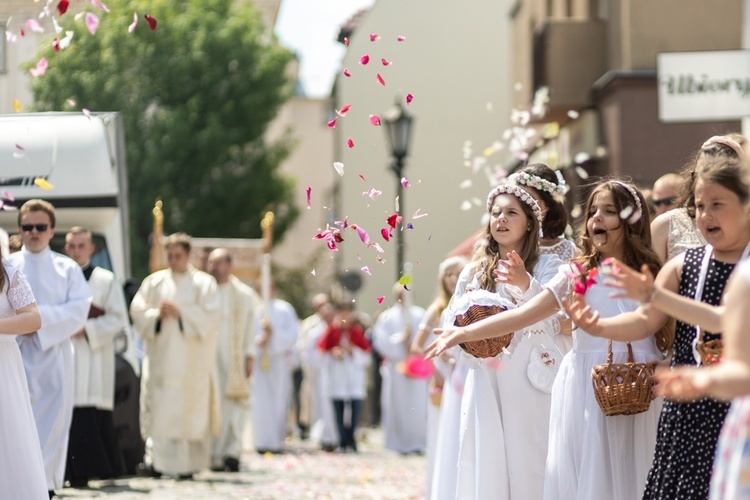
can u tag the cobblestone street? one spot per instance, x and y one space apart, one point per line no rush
302 472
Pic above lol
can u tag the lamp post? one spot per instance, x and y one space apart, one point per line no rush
398 131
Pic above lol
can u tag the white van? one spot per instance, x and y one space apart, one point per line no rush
83 158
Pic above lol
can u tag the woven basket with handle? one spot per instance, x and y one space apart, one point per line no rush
622 388
485 348
710 351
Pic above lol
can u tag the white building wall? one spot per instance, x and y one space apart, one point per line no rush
455 61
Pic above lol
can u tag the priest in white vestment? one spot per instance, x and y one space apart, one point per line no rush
63 300
404 399
93 451
175 312
234 362
277 325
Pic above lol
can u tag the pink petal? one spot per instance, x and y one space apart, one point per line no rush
8 196
405 182
347 73
308 191
92 22
364 59
342 112
362 177
62 6
385 62
331 244
332 123
346 41
97 3
20 148
381 299
409 99
374 37
34 25
362 234
401 38
385 234
350 142
152 23
377 247
366 270
40 68
132 26
380 79
375 120
372 193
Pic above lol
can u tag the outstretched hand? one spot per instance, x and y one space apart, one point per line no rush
446 338
682 383
513 272
631 283
583 316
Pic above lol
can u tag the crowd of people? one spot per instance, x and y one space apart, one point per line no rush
515 405
630 400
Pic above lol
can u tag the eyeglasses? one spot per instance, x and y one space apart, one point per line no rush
30 227
665 201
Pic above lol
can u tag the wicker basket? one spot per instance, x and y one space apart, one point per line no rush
622 388
710 351
485 348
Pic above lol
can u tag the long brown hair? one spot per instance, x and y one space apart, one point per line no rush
637 233
488 255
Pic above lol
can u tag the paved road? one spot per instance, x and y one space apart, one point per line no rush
303 472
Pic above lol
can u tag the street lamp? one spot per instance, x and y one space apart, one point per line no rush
398 132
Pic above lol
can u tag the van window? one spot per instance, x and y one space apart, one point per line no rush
100 257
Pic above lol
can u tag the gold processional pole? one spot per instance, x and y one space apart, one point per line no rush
267 226
156 260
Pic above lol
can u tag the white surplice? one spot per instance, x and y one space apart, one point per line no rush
21 465
63 299
238 305
95 354
505 419
179 400
272 384
404 399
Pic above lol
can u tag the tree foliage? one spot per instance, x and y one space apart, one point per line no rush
197 95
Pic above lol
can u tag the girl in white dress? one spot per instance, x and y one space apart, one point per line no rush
504 413
21 466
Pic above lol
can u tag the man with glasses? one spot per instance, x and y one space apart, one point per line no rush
665 192
63 299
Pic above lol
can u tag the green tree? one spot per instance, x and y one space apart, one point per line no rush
197 95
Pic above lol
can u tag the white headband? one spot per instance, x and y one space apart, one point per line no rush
521 194
639 209
536 182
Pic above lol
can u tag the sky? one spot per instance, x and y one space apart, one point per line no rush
310 28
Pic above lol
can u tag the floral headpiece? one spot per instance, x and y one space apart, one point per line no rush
633 217
536 182
521 194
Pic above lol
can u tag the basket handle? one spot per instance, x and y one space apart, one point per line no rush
609 351
630 354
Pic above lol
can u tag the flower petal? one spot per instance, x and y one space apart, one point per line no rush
374 37
409 99
582 173
366 270
40 68
380 79
152 23
92 22
375 120
372 193
401 38
418 214
332 123
339 168
385 62
34 25
346 41
377 247
97 3
405 182
347 73
42 183
62 6
342 112
393 220
350 142
132 26
362 177
17 107
364 59
405 280
362 234
308 192
385 234
381 299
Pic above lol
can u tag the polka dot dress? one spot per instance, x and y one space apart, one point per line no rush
688 432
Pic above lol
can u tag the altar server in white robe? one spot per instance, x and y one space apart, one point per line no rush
404 399
63 300
175 312
278 327
235 343
94 451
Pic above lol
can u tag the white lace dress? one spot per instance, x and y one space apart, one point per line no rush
683 233
21 466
